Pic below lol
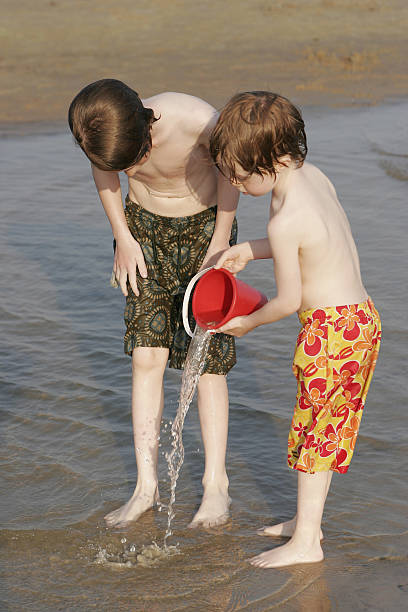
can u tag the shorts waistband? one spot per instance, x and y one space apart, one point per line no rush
331 313
203 215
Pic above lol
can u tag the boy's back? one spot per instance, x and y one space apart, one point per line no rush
308 222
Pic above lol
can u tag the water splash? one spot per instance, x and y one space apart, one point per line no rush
191 375
152 554
148 556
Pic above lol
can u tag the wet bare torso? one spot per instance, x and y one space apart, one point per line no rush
178 178
329 262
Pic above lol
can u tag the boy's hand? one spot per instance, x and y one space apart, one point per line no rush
128 258
238 326
235 258
213 254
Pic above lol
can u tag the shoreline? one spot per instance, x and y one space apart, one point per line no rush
315 52
46 127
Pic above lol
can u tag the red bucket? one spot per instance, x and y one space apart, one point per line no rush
219 297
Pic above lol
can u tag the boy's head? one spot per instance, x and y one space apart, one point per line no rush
111 125
257 130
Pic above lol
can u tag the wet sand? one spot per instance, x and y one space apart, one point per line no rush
319 52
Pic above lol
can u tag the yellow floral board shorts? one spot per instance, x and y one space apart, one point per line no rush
335 357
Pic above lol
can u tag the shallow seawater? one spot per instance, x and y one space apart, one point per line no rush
66 442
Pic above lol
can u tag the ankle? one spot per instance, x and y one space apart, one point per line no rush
219 483
309 536
147 489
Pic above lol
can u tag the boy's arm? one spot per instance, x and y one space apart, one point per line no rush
128 253
227 202
236 257
227 195
284 244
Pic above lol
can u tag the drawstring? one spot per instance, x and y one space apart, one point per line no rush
154 248
178 254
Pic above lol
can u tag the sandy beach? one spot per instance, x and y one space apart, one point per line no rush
319 52
66 444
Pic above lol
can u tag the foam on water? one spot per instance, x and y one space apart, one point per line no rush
147 556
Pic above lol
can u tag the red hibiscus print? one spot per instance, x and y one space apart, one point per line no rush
301 429
312 332
318 445
349 321
336 466
314 397
332 443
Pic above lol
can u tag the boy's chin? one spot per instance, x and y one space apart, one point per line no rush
257 193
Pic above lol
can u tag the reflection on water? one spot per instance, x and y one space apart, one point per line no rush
66 443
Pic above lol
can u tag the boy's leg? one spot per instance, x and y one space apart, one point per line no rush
304 546
287 528
148 365
213 410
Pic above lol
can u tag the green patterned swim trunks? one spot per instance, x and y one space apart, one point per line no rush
174 249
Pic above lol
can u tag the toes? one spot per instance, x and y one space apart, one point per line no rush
262 531
259 561
254 562
112 519
111 515
121 524
207 522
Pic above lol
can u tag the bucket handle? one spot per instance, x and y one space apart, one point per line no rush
187 299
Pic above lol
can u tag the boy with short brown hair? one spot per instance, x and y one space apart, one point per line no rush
259 142
179 215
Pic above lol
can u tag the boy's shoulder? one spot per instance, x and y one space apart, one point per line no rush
310 185
179 103
302 203
185 111
310 174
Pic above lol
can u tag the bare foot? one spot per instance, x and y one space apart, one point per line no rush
284 530
214 509
132 510
289 554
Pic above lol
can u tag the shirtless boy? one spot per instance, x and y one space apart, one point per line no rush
169 229
259 142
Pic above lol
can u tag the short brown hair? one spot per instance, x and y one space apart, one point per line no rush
255 129
110 124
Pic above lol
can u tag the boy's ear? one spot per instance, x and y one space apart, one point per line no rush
285 162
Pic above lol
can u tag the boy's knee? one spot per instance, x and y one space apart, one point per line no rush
149 358
211 380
